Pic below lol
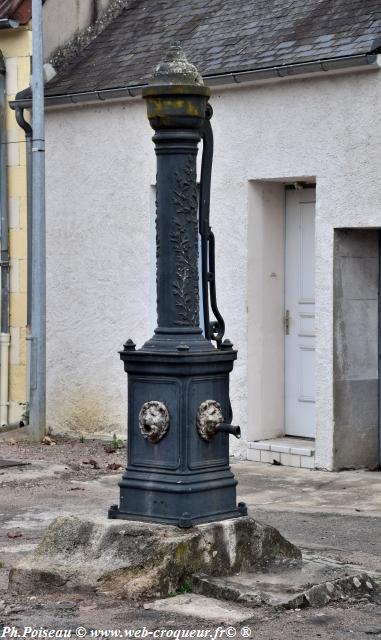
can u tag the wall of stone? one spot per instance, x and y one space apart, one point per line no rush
100 169
356 273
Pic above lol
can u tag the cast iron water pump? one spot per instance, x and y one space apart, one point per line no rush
179 412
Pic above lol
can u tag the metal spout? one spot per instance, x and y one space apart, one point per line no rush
229 428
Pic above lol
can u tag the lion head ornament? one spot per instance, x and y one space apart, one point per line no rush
209 417
153 421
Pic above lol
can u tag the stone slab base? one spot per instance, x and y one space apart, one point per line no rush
203 608
139 560
316 583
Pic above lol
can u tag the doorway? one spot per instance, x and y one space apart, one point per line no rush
299 312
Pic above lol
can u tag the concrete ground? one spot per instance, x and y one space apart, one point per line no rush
337 515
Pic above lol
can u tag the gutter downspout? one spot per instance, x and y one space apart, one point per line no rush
24 124
379 350
4 248
8 23
37 406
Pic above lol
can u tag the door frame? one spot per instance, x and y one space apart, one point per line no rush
265 307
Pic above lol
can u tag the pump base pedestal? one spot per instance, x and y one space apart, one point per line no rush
184 521
178 464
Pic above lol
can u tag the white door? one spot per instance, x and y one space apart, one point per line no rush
300 313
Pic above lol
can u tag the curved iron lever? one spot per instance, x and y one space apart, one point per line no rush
215 329
229 428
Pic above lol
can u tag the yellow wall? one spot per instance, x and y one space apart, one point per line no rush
16 46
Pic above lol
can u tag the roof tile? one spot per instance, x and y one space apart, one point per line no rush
219 37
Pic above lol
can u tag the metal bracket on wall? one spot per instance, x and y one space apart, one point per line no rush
286 321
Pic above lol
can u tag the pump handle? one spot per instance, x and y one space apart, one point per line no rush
214 329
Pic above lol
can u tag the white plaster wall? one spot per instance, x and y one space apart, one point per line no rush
265 306
99 168
64 18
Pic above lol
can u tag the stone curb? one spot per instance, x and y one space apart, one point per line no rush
318 595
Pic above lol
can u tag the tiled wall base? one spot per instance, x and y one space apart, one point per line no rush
291 452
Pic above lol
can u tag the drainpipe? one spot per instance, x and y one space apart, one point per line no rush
4 250
379 349
24 124
8 23
37 404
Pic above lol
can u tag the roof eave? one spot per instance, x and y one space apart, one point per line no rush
349 63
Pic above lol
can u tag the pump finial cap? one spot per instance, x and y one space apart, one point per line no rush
175 69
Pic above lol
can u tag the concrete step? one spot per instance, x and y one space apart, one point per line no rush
287 451
318 582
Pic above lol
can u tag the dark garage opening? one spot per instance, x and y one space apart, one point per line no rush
355 358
